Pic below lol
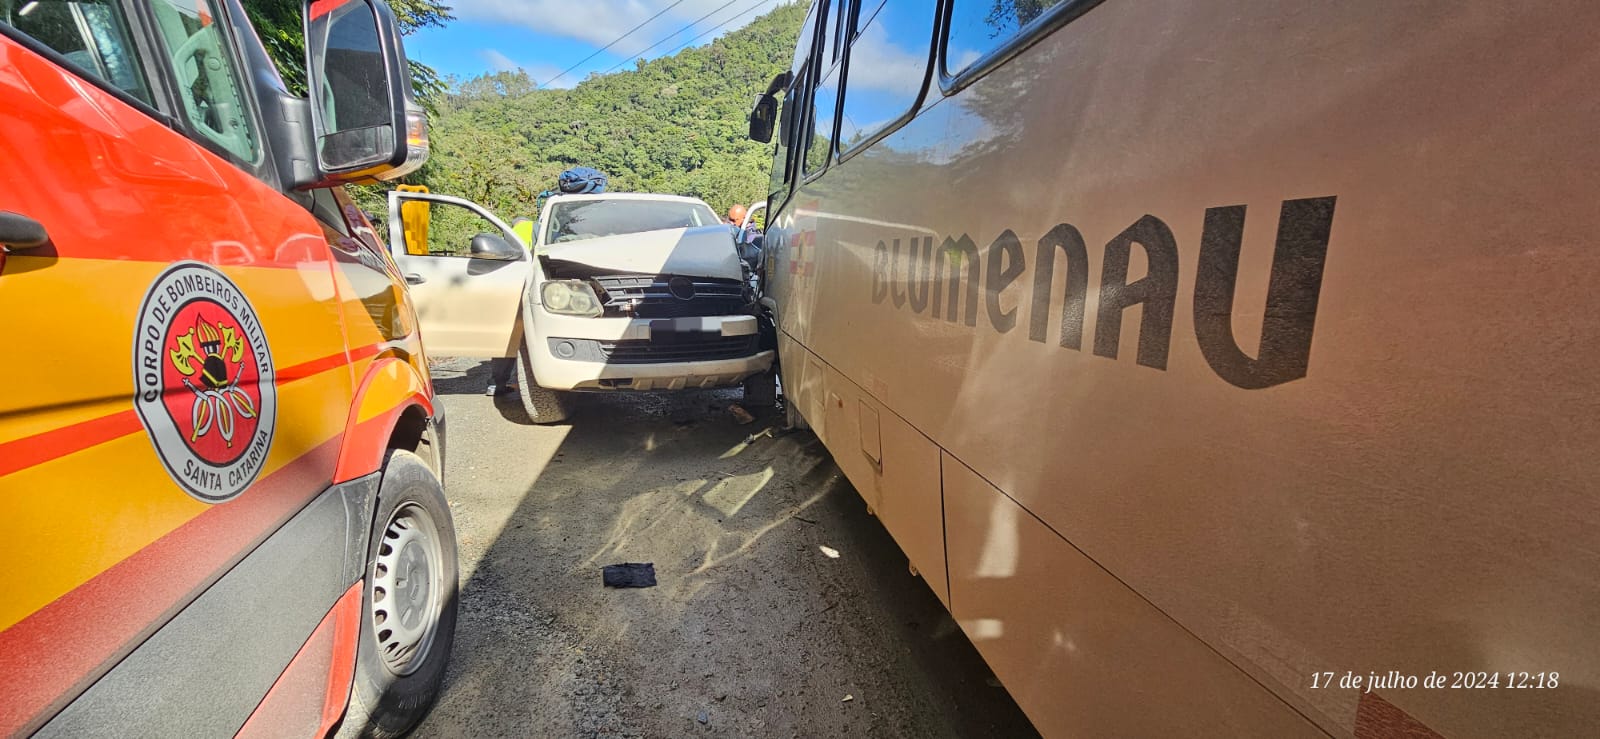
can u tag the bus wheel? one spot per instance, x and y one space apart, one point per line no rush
408 615
541 404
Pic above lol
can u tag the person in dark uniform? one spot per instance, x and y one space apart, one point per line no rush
502 376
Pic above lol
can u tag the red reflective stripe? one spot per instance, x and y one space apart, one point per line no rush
56 652
332 361
342 673
20 454
370 350
299 702
365 447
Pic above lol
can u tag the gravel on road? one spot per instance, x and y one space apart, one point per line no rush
782 607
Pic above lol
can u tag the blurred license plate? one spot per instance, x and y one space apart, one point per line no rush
697 327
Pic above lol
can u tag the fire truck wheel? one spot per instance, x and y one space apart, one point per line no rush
541 404
408 618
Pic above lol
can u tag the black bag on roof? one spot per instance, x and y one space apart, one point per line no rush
582 180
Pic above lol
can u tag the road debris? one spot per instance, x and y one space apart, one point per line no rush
847 698
532 604
630 575
740 415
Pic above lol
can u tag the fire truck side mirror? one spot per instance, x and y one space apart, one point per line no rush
366 124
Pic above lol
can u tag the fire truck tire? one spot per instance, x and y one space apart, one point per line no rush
408 603
542 405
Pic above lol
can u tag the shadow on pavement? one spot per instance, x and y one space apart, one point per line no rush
783 608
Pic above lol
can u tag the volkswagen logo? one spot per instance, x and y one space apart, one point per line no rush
681 288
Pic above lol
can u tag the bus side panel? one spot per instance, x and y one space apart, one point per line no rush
1082 654
803 377
892 466
895 469
1420 497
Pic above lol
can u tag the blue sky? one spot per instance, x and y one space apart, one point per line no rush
545 37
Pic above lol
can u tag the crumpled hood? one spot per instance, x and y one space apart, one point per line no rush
702 251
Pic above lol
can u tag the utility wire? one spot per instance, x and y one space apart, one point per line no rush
669 36
714 29
614 41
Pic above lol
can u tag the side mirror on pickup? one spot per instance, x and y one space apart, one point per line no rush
366 125
491 246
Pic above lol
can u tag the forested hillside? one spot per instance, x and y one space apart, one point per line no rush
675 124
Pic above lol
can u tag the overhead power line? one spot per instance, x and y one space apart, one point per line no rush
717 27
669 36
614 41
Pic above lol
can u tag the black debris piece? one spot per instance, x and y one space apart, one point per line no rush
631 575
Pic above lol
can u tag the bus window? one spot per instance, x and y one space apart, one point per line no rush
824 104
782 166
887 65
92 36
209 85
802 48
833 27
978 27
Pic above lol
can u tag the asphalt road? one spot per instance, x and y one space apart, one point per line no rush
783 608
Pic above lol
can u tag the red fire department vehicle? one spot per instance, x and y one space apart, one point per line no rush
220 453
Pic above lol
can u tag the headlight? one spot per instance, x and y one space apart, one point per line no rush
570 298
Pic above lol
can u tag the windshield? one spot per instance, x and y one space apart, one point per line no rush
589 219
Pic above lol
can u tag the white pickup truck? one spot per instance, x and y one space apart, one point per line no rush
616 292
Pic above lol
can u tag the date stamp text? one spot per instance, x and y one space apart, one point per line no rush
1435 680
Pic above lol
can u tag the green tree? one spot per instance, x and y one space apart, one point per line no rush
1008 15
674 124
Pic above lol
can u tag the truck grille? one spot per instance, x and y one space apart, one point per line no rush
678 348
647 296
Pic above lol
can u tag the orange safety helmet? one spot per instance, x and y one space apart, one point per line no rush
736 214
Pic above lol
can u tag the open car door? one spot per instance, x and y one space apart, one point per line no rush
467 272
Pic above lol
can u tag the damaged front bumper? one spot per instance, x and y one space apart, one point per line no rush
646 354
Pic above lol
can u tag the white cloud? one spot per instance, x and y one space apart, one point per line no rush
599 22
497 61
540 72
879 63
544 74
966 59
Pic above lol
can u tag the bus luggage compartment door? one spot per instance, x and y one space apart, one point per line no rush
894 468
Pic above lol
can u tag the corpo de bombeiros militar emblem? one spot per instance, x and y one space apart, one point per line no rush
207 391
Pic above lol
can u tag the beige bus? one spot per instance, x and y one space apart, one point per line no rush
1227 368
